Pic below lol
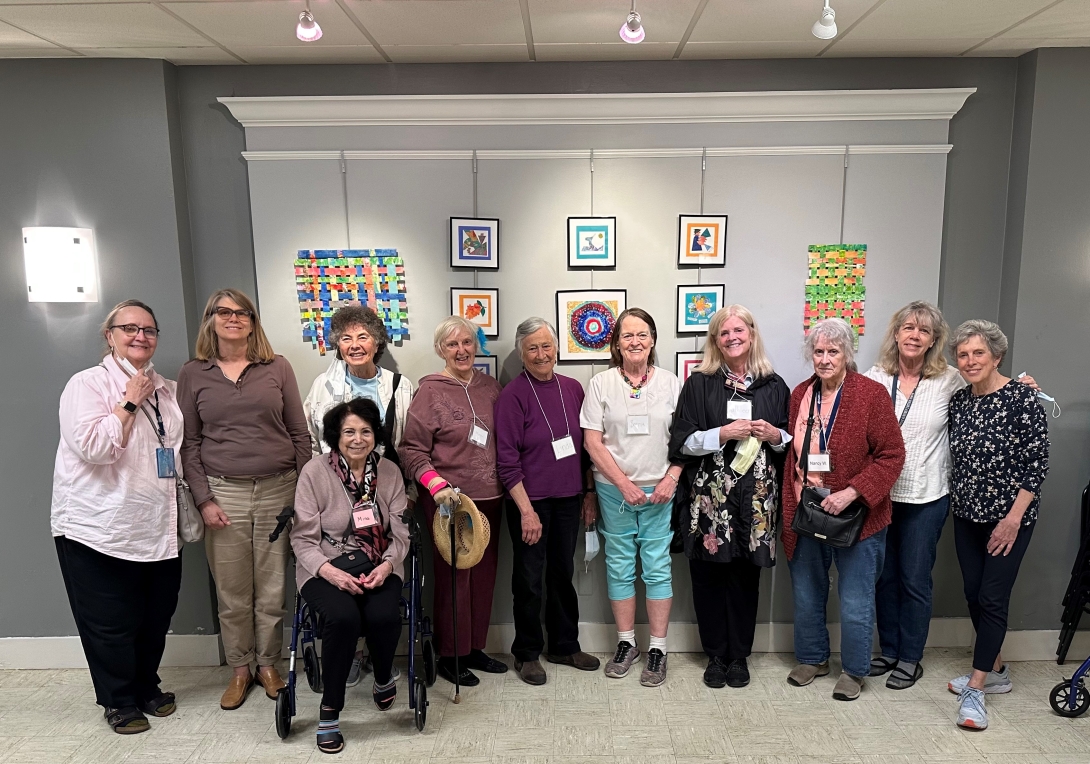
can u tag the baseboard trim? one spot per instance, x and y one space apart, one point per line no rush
205 650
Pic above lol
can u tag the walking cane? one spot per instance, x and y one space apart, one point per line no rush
454 599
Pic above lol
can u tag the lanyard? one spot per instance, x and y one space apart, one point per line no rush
552 435
472 410
158 416
908 405
826 433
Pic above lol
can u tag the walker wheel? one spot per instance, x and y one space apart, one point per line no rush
312 668
283 713
420 713
1060 696
430 667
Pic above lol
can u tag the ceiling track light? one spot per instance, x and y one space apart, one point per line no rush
825 27
632 29
308 30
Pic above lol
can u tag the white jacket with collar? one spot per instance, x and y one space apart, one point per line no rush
332 388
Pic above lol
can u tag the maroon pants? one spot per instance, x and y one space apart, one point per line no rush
474 588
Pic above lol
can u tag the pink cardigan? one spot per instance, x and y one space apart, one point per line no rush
321 504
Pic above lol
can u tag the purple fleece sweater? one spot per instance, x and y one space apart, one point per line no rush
524 452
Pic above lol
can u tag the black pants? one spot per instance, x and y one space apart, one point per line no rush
988 584
553 555
122 611
376 615
725 599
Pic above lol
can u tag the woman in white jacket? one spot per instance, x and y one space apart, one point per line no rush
361 340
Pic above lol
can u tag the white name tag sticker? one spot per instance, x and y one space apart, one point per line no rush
478 436
638 424
364 517
739 409
819 463
563 447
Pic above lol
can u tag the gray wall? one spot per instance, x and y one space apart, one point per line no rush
84 144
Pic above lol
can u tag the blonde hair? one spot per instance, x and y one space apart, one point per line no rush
449 326
758 363
258 348
104 330
934 362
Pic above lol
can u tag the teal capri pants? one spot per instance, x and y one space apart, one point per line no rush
628 531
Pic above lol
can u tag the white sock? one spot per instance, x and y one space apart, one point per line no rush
657 643
627 636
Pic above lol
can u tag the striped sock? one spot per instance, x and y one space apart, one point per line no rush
328 726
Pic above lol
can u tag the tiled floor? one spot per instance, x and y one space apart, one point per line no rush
577 718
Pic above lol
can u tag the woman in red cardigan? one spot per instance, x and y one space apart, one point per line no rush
856 453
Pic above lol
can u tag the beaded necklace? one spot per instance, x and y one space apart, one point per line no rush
636 390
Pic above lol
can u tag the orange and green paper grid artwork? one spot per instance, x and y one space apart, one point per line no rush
328 279
834 286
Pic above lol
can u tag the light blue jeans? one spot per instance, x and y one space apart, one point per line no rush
630 531
859 568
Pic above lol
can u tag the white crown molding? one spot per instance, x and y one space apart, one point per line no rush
486 154
598 108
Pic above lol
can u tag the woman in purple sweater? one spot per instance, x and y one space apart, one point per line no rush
540 458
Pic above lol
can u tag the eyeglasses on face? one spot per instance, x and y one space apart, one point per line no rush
131 330
226 313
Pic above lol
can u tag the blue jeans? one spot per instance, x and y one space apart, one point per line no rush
859 568
904 590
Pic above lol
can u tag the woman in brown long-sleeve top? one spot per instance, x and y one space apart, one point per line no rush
450 442
246 439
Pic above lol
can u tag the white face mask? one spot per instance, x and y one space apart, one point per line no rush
745 455
593 546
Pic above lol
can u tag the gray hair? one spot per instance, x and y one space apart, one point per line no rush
452 325
836 331
531 326
977 327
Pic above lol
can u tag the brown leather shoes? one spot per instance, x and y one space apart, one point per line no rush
269 678
531 672
237 690
582 661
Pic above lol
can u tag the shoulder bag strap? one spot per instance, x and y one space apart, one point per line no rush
804 460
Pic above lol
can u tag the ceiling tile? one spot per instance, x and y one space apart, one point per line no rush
101 25
311 54
1016 46
913 20
599 21
441 22
605 51
414 54
780 21
200 55
713 50
42 52
850 46
269 23
1068 19
10 37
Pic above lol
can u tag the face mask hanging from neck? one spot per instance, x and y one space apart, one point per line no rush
745 455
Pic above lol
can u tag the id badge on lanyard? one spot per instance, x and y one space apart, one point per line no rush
164 461
639 422
563 447
364 516
478 436
739 409
819 463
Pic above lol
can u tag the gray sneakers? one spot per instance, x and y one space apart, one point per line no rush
654 673
622 661
996 683
972 715
804 673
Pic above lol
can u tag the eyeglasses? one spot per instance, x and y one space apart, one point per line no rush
131 330
226 313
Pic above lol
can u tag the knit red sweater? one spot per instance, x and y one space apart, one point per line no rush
867 447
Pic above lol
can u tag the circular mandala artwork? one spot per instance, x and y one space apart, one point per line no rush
591 324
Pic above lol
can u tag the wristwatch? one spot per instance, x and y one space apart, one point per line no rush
128 406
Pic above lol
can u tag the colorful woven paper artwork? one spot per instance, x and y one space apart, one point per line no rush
327 279
834 287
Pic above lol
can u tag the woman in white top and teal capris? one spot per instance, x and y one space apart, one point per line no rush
626 419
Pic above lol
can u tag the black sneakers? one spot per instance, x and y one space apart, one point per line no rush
720 674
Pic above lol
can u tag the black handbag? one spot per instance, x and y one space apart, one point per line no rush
839 531
355 563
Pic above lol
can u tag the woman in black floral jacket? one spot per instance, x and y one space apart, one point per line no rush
728 431
999 448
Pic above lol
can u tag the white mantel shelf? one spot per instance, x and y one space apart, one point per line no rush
600 109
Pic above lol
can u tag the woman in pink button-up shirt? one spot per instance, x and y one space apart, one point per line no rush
115 519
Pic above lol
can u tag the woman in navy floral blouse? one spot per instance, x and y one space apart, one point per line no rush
999 448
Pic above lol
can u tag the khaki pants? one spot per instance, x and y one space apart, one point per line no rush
248 570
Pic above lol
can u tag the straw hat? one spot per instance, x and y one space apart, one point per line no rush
471 533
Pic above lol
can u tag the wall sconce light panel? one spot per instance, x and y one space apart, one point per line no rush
60 264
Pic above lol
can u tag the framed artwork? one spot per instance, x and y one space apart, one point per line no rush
479 306
592 242
585 320
487 364
701 240
474 243
696 303
685 364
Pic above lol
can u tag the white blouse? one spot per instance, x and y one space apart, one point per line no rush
926 474
105 495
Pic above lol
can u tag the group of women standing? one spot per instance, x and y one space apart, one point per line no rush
704 468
